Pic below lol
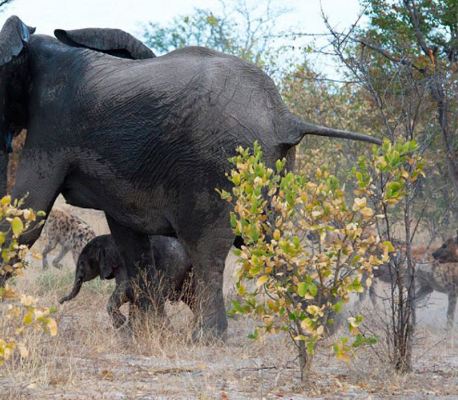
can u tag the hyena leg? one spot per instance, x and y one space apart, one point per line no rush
452 296
48 248
56 262
373 293
423 292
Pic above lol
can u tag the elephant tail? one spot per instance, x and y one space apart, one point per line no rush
74 292
296 129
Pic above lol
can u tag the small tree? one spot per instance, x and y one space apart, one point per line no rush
22 311
389 178
306 247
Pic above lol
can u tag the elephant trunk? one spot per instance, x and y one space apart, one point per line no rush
296 129
74 292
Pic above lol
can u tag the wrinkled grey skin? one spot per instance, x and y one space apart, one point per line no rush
101 258
146 141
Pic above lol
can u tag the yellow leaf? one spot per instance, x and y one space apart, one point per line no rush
17 226
52 327
262 280
388 246
307 325
359 203
28 317
6 200
314 310
343 356
367 212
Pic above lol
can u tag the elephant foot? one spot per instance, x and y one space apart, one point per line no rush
211 332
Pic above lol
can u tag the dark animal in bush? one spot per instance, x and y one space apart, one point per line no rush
101 258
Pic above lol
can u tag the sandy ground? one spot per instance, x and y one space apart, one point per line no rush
90 360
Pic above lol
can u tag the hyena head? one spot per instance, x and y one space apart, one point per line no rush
448 252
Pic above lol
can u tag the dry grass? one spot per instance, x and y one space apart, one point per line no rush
90 360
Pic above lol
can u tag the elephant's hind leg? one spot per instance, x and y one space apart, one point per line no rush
208 256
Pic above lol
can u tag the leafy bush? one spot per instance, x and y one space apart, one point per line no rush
21 310
306 247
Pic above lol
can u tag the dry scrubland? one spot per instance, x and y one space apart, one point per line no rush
89 360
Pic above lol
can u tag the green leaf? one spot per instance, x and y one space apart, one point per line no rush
302 289
312 289
338 307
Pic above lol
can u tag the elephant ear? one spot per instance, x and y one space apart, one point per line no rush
107 263
110 41
13 36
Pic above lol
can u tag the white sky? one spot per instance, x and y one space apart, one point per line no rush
130 15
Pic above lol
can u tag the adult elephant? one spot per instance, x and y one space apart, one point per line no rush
146 141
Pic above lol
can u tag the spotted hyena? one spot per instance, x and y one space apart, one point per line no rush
68 231
439 274
448 252
440 277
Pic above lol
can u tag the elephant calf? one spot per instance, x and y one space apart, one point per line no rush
100 257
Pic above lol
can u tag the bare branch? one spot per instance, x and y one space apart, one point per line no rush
415 19
388 55
5 2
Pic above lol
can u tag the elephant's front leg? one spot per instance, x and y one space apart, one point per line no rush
117 299
39 179
143 281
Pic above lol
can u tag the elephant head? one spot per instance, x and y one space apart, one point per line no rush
14 37
99 258
15 77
